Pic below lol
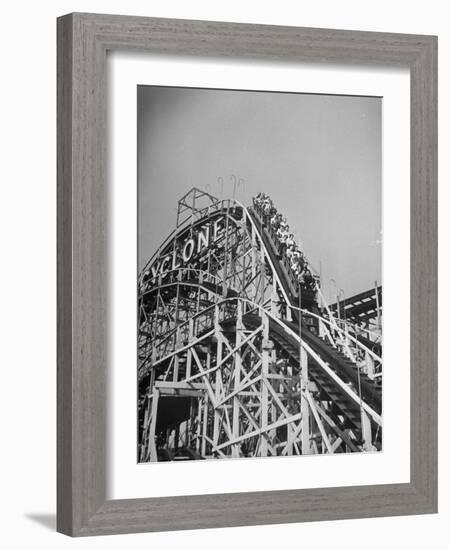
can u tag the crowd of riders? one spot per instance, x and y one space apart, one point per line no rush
285 240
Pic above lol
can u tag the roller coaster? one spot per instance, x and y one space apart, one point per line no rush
238 357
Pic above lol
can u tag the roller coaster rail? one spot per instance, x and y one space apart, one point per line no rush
236 358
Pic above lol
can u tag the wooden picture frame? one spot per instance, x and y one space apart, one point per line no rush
83 40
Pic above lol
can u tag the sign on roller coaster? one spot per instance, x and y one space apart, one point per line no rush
239 353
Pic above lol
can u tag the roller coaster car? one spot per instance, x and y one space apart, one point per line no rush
311 323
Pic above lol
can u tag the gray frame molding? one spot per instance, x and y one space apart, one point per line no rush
83 40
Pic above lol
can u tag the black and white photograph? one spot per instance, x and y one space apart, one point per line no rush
259 274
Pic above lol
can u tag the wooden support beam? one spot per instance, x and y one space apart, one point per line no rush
264 388
317 418
236 377
305 433
189 352
259 432
367 432
152 431
341 434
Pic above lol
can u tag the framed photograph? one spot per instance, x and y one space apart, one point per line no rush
247 233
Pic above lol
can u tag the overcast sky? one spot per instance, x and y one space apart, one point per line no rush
317 156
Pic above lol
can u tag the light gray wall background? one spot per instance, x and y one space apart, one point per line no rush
317 156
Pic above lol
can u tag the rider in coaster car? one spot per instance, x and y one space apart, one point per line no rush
297 255
290 241
283 236
258 200
268 206
280 231
298 259
298 272
275 221
309 281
